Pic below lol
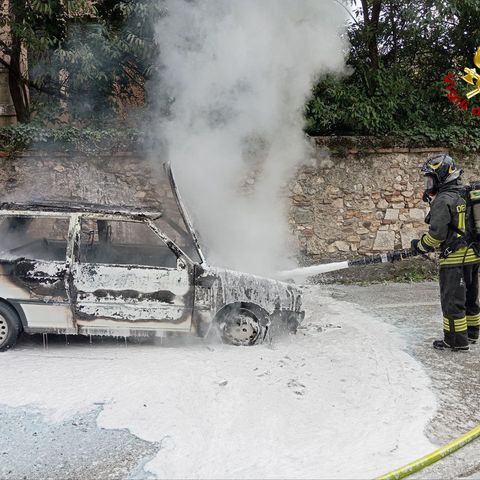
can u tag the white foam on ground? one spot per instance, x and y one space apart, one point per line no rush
329 402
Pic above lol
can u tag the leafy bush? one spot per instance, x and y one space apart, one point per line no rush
20 137
400 52
342 106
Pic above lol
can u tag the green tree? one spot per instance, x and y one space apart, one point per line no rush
81 55
400 52
34 27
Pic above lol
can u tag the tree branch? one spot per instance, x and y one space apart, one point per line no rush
31 83
134 74
376 8
6 48
366 19
347 10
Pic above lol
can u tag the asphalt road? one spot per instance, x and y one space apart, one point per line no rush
415 309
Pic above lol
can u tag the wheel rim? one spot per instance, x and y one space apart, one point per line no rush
3 330
242 329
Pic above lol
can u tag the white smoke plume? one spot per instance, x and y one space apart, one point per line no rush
237 74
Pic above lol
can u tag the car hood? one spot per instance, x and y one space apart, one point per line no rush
183 210
237 286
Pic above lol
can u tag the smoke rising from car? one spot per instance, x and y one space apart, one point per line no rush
234 79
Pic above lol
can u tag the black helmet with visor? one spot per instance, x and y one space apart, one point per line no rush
439 170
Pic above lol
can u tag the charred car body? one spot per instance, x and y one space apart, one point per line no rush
75 268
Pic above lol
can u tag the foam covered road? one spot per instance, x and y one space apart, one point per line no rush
357 392
415 309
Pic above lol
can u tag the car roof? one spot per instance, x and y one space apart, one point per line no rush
81 207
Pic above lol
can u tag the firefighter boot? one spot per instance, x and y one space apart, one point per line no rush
443 345
473 327
455 335
473 334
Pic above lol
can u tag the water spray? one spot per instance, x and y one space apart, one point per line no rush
388 257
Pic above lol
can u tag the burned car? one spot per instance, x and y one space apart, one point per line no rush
77 268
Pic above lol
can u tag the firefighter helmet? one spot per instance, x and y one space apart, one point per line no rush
438 171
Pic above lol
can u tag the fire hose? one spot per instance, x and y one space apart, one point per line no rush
388 257
433 457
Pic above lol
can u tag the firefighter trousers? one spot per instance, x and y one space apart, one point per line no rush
460 305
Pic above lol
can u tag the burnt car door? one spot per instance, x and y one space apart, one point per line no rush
34 269
125 277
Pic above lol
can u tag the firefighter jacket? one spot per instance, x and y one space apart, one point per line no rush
447 221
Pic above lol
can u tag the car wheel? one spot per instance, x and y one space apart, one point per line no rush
10 327
240 327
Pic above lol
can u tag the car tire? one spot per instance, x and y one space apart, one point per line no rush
10 327
240 327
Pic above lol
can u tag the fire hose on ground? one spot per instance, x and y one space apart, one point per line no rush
433 457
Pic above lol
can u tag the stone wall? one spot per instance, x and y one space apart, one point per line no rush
342 205
120 179
128 179
358 203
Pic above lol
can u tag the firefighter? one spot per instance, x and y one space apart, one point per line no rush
459 261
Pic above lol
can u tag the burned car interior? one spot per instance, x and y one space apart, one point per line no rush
123 243
34 237
102 240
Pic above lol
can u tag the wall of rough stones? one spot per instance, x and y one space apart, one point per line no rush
342 205
120 179
359 203
123 179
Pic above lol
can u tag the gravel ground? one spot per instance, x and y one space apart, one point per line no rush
32 448
415 309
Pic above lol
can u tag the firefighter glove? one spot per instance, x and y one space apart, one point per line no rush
418 246
414 245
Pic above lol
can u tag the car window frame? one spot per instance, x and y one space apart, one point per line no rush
39 214
182 258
